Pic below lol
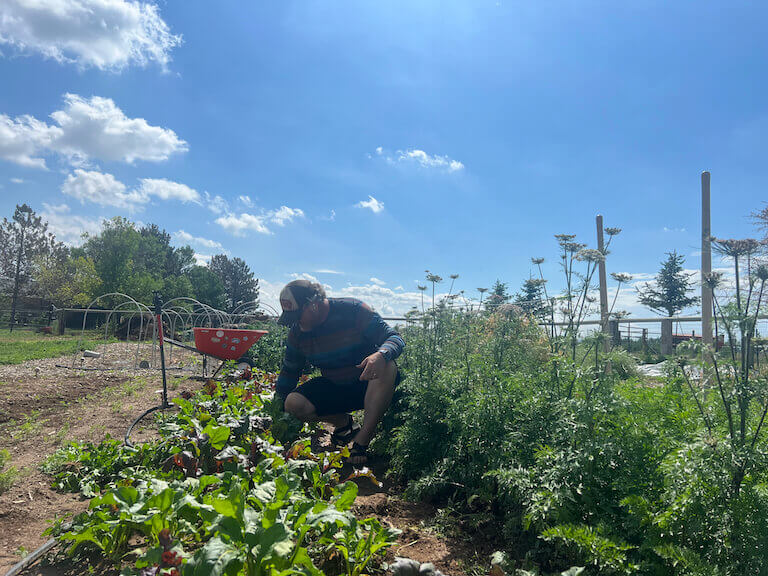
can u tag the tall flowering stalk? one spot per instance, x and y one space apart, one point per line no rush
739 400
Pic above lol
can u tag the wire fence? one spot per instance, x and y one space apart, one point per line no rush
29 319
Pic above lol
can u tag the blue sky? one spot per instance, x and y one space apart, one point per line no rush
364 142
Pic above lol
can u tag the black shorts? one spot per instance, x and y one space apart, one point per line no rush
329 397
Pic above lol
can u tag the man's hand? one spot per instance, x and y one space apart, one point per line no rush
373 366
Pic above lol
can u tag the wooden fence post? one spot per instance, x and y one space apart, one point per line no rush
603 287
706 262
666 336
615 333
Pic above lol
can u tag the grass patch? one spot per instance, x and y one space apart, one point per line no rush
8 475
19 346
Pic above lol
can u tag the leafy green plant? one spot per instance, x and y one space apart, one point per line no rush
8 474
218 495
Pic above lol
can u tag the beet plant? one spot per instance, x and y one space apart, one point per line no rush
218 494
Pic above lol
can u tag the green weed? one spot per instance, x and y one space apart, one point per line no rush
31 426
8 474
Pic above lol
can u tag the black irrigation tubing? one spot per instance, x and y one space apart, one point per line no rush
30 559
177 368
127 438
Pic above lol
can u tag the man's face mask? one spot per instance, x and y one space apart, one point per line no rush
291 308
290 317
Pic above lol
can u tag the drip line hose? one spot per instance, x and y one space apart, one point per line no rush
158 302
31 558
127 439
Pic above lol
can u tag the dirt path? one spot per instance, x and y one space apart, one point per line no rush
43 407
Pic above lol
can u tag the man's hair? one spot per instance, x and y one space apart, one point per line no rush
318 289
306 290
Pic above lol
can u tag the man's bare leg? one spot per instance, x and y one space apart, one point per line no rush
298 405
377 400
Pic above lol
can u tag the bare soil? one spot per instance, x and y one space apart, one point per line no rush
43 407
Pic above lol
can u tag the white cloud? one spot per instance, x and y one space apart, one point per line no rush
304 276
216 204
269 295
667 229
400 287
67 227
202 259
17 180
385 301
371 204
246 201
101 189
105 34
22 140
240 224
377 281
330 218
428 161
422 158
285 215
187 238
97 128
327 271
168 190
86 129
105 190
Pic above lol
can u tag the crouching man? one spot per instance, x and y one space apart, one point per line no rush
355 351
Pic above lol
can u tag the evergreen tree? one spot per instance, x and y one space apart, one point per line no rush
240 286
761 219
498 296
531 298
669 294
208 288
24 240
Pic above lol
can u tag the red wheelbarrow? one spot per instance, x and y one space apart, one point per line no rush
222 343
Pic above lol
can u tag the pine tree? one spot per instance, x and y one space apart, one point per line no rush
240 286
531 298
23 240
498 296
669 294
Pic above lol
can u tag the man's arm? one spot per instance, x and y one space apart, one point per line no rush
293 364
381 334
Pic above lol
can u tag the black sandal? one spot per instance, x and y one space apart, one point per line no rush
359 452
343 435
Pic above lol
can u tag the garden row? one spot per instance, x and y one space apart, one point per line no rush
217 493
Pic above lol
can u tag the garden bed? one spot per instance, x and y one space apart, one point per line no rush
47 408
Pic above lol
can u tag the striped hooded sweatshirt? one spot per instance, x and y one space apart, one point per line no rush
351 332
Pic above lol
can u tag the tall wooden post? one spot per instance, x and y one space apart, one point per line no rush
603 286
706 262
667 345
